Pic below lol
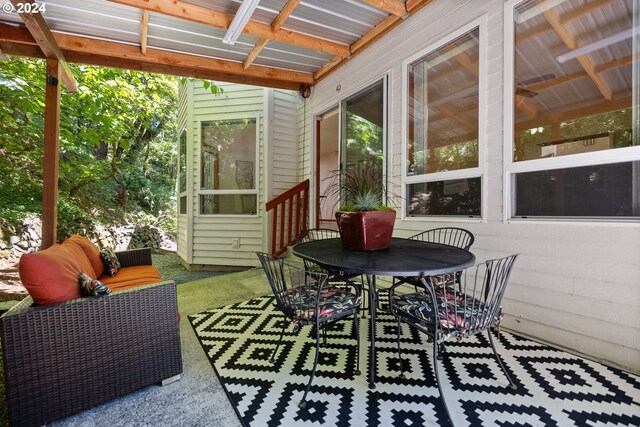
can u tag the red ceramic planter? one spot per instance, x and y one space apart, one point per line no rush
366 231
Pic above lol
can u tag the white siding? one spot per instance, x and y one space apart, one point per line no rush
182 240
574 285
277 112
213 234
284 144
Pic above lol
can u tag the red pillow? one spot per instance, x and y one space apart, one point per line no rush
50 275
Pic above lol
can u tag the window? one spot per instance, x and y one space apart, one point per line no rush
575 150
228 167
443 168
182 173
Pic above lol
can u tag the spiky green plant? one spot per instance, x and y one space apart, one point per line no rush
360 188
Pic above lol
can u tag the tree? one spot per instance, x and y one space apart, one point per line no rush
117 144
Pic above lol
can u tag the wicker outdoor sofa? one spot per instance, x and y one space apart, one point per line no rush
65 357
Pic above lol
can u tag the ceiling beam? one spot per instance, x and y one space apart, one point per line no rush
286 11
553 18
144 31
457 117
574 112
41 33
394 7
254 53
31 51
284 14
121 51
203 15
584 10
377 32
567 17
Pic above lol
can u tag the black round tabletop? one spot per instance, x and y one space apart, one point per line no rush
404 257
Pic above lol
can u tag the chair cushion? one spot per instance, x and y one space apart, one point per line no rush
462 311
91 251
50 275
334 301
131 277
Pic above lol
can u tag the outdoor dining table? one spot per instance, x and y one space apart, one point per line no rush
403 258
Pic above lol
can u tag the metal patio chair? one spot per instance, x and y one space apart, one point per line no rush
452 236
307 298
333 277
455 312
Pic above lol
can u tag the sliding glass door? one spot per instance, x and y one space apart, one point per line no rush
364 131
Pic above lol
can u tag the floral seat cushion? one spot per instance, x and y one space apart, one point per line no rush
334 301
456 310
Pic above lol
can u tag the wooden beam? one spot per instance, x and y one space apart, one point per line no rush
388 24
127 64
584 10
203 15
144 31
394 7
286 11
101 48
457 117
613 64
254 53
574 112
42 34
525 107
284 14
553 18
567 17
536 87
51 155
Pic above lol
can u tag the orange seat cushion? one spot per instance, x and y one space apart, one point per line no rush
91 251
51 275
131 277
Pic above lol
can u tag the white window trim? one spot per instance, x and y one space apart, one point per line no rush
477 172
256 165
179 176
511 168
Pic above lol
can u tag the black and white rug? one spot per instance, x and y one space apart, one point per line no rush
554 387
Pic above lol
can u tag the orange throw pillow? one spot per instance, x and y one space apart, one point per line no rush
91 251
50 275
80 256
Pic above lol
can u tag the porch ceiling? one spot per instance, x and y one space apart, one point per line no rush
285 44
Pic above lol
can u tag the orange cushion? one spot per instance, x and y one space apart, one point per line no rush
131 277
91 251
50 275
81 258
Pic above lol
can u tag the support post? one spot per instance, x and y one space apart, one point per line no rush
51 155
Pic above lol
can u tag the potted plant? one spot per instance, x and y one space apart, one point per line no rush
364 222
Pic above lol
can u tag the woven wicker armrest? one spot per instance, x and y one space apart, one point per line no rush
133 257
63 358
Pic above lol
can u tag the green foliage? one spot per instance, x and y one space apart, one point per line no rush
117 144
359 186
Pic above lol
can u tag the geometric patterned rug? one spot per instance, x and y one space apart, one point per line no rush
555 388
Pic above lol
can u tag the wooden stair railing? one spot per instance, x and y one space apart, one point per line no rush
289 219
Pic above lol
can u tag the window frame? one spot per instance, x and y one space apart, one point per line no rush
179 175
256 166
511 168
476 172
